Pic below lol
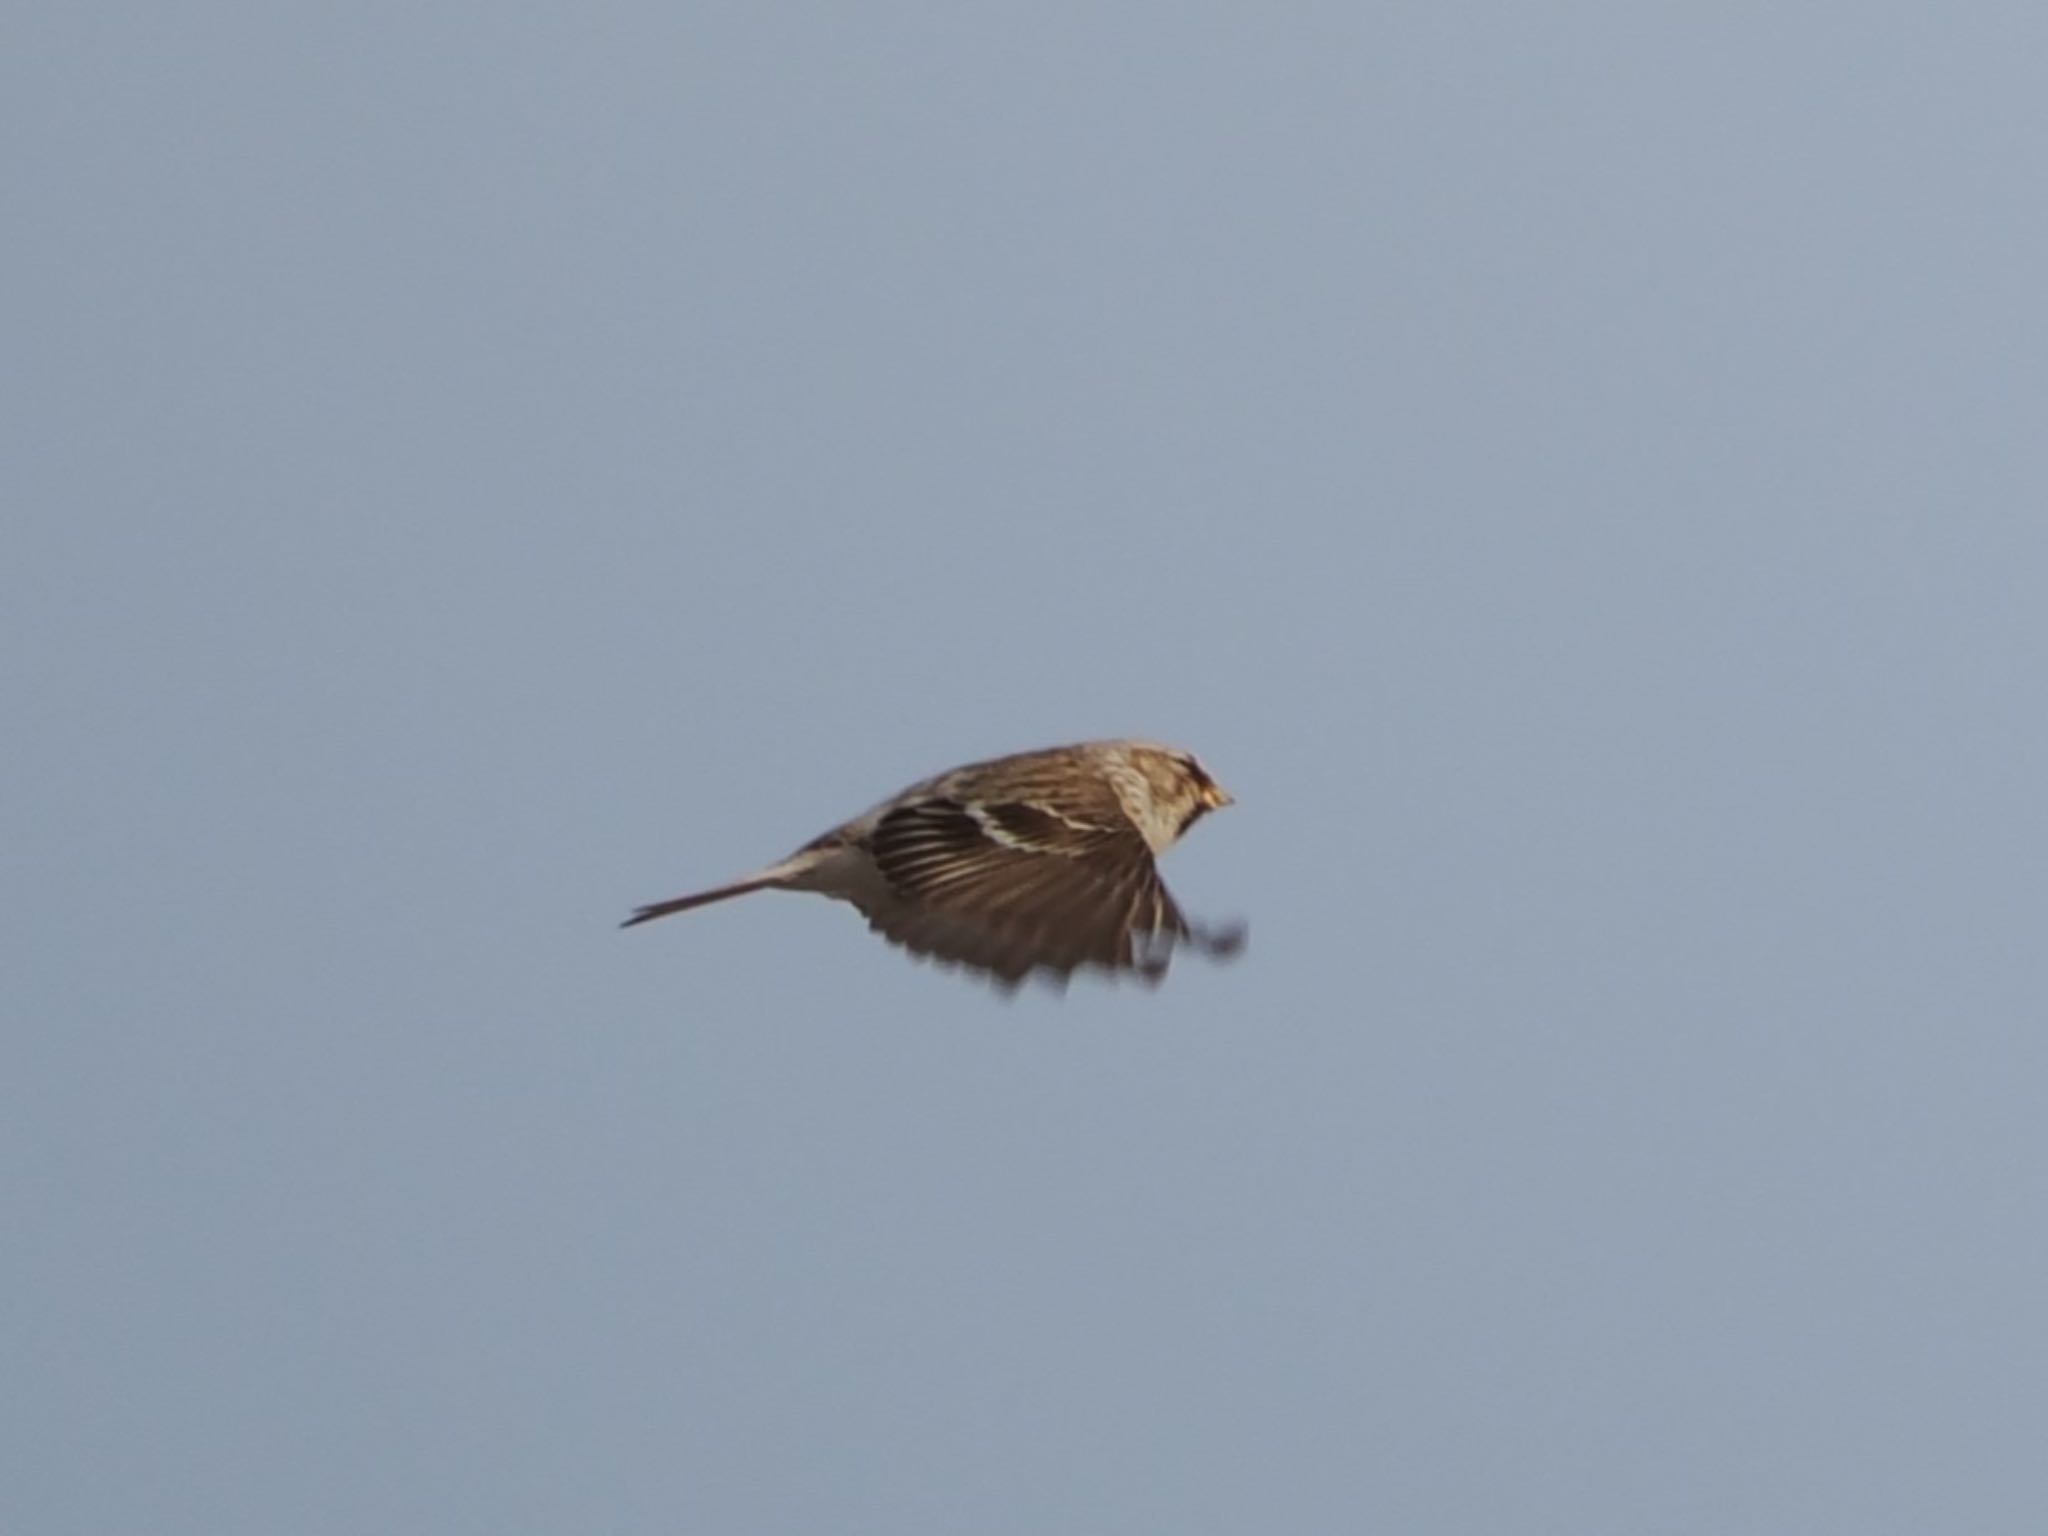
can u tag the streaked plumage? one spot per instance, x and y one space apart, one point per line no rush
1044 861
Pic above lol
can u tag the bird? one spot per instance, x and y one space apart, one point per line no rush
1036 863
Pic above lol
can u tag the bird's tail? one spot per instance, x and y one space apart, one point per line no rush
790 874
700 899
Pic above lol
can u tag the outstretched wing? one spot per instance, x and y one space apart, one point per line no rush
1009 887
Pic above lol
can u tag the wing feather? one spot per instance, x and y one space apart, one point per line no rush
1015 886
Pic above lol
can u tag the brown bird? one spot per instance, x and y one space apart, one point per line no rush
1043 861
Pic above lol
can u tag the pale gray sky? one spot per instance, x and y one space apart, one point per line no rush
1577 472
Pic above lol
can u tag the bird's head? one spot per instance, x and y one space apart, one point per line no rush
1182 790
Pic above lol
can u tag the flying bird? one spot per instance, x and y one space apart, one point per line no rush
1042 861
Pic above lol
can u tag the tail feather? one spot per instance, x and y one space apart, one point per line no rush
700 899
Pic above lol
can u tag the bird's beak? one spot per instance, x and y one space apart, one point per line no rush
1215 797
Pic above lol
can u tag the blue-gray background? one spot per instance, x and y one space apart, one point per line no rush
1577 472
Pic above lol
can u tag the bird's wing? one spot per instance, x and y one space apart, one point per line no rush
1013 886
